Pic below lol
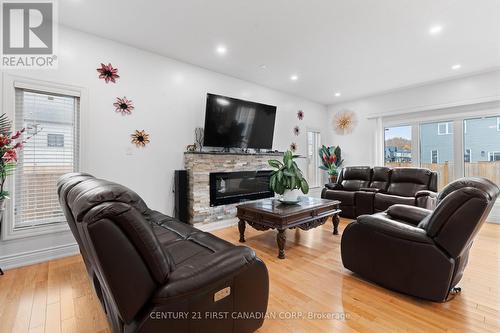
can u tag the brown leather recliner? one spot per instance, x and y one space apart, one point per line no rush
365 190
153 273
416 251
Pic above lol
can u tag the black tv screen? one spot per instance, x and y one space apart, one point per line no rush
234 123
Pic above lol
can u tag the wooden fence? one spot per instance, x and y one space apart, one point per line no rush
490 170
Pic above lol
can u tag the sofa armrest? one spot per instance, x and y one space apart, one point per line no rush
426 199
394 229
334 186
408 213
191 278
369 189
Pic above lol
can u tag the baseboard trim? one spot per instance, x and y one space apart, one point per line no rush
37 256
208 227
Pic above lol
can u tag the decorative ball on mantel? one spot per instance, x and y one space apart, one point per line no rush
344 122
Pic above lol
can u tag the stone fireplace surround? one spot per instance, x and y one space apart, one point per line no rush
199 165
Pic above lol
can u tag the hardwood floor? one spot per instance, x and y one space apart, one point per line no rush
56 296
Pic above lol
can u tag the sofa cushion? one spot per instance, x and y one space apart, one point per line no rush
408 181
380 178
346 198
384 201
354 178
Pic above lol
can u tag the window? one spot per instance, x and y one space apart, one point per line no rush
313 162
397 150
436 150
51 152
434 156
445 128
494 156
467 156
55 140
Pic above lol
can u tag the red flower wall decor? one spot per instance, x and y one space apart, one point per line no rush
108 73
296 130
123 105
300 114
140 138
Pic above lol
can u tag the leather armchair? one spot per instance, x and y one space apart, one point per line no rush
416 251
148 268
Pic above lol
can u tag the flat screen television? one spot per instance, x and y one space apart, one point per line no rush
234 123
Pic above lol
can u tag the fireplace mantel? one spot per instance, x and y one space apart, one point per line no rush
199 165
232 153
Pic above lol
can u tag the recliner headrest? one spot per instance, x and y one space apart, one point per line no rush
90 193
482 184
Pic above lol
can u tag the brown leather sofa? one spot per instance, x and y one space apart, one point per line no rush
153 273
416 251
365 190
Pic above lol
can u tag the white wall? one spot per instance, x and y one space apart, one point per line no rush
169 97
359 147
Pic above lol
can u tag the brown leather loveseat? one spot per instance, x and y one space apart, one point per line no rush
153 273
416 251
365 190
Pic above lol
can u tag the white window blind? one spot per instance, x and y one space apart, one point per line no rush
45 116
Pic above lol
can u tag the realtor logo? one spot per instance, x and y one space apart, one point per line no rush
28 34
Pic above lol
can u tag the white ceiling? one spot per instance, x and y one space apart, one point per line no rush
358 47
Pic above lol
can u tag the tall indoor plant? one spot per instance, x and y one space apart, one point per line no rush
10 144
287 177
331 157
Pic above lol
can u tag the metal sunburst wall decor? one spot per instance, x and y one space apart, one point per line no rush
344 122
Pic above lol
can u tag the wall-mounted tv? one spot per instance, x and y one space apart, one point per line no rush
234 123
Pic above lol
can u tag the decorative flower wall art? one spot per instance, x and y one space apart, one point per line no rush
296 130
140 138
108 73
344 122
300 114
123 105
293 146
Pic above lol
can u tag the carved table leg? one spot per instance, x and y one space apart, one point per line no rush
335 220
281 240
241 228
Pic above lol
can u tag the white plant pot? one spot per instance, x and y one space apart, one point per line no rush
291 195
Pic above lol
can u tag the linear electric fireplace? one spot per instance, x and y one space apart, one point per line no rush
231 187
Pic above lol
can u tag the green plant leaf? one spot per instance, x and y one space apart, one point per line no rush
304 186
275 164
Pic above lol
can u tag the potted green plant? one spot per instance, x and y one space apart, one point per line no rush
287 178
331 157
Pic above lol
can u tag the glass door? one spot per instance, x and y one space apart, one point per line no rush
313 161
482 148
436 150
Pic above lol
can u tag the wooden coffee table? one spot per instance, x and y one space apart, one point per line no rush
271 214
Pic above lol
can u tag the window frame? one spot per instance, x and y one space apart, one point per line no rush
55 136
447 131
10 83
493 153
465 152
432 156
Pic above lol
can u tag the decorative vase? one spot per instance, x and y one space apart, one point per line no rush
333 178
291 195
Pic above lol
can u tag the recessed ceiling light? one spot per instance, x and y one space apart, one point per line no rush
263 66
455 67
294 77
435 29
338 94
221 49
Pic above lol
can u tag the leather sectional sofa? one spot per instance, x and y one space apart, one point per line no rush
416 251
365 190
153 273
